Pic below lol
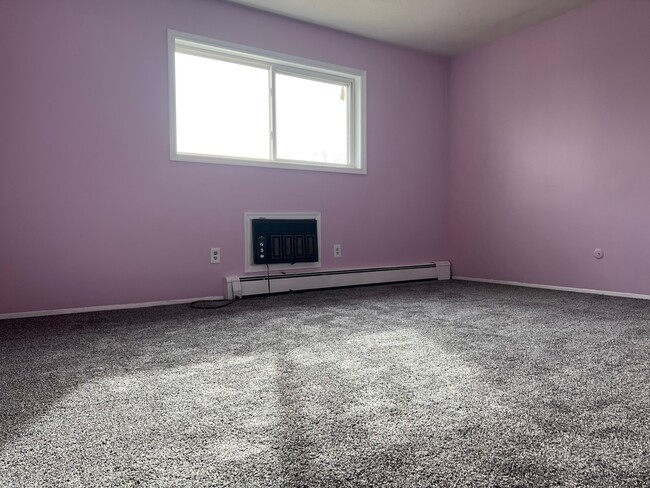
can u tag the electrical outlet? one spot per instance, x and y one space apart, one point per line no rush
215 255
337 250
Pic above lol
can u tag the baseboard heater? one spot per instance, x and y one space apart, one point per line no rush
241 286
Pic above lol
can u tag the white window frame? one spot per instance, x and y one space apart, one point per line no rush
276 63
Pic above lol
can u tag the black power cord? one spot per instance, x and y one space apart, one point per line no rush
211 304
214 304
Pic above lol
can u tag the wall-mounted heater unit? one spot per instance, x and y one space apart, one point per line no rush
284 241
240 286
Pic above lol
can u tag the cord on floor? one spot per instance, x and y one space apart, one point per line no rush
214 304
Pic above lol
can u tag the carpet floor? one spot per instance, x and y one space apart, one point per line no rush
422 384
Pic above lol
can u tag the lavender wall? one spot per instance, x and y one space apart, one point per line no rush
93 212
550 153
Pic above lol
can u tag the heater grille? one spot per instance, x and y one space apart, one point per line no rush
284 241
241 286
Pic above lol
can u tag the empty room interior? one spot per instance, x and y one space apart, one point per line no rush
308 243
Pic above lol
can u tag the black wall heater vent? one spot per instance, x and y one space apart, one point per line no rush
284 241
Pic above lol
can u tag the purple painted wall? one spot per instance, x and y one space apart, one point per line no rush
93 212
550 153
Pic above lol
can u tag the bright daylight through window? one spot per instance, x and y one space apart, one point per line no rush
237 105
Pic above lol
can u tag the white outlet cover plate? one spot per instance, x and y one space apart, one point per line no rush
215 255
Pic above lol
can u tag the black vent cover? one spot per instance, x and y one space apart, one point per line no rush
284 241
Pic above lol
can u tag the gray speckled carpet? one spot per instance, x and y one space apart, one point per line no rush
423 384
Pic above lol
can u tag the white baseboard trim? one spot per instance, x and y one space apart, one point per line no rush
558 288
101 308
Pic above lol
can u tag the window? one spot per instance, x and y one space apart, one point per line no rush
238 105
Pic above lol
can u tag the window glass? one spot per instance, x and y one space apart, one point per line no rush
222 108
311 120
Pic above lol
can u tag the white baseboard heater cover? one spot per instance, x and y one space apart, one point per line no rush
241 286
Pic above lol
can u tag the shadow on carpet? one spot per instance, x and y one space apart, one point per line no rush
444 384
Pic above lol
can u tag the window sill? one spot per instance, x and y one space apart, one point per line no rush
263 163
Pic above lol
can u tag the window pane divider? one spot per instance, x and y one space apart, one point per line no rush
272 121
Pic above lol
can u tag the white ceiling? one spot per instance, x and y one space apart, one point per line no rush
444 27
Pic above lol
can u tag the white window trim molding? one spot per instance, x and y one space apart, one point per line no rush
251 267
285 62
